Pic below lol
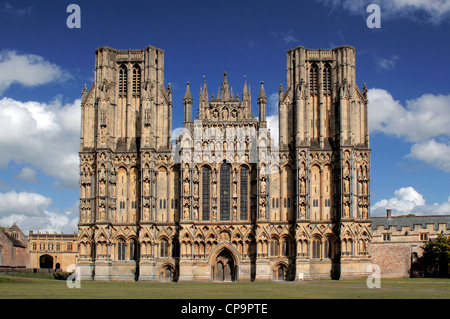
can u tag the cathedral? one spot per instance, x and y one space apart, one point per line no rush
224 202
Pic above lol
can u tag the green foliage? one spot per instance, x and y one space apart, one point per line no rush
436 256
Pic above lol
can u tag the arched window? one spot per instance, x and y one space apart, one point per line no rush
225 191
314 79
133 250
274 247
136 79
206 193
164 248
327 248
316 245
122 80
121 249
244 193
327 79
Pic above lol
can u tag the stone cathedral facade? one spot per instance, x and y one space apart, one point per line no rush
224 203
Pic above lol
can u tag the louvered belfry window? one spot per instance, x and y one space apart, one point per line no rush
136 79
122 80
314 79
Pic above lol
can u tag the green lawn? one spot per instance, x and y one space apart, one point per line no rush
15 288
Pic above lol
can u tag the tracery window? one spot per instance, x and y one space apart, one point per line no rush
327 79
164 248
274 247
244 193
136 79
206 188
122 79
121 248
225 191
314 79
316 245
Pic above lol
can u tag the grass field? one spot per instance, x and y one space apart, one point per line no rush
32 288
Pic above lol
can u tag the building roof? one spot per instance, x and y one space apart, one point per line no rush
410 221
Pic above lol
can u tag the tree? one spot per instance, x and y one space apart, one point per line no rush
436 256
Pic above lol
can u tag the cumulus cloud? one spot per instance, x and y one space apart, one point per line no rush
27 174
408 201
430 11
23 203
31 211
28 70
424 121
45 136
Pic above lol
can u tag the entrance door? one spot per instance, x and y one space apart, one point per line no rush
224 269
46 261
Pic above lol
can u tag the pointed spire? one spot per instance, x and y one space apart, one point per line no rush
204 89
262 93
188 95
245 85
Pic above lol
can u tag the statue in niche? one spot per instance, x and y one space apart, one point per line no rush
102 188
346 185
263 186
186 188
186 212
146 188
195 213
262 212
146 212
302 186
225 114
195 189
102 212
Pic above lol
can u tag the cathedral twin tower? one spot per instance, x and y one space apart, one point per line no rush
223 203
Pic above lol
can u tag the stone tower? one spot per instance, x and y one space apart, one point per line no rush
126 120
323 122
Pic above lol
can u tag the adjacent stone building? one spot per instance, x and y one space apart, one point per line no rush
13 247
224 204
53 250
397 240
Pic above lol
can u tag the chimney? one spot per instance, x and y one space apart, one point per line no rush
388 211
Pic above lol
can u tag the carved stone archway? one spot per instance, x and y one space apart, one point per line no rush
224 267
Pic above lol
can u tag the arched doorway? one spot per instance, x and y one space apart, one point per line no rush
167 274
46 261
280 272
224 268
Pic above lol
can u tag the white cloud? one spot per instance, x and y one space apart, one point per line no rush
30 211
386 64
408 201
17 11
434 153
27 174
23 203
424 121
45 136
28 70
287 37
431 11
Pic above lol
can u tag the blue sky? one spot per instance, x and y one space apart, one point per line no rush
44 66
